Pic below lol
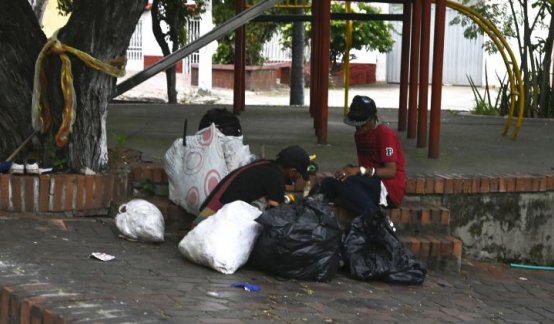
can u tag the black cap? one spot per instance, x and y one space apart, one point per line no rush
295 157
361 110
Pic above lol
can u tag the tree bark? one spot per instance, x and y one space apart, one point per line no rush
545 86
297 68
171 78
21 39
159 35
101 28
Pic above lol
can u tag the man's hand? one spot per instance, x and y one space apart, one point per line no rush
347 171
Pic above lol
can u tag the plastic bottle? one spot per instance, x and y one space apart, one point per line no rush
289 199
307 188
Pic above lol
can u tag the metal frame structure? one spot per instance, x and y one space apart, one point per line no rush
415 58
415 63
218 32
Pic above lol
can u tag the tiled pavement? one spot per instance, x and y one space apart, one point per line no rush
46 273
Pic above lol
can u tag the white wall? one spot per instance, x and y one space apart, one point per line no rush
495 63
462 57
149 44
52 20
380 59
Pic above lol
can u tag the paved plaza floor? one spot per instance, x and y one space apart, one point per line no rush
48 262
45 260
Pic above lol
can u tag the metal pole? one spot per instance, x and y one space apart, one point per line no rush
323 85
239 86
404 67
314 64
414 69
346 65
424 74
438 53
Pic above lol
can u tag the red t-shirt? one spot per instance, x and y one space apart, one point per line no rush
377 147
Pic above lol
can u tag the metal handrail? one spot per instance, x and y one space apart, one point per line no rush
216 33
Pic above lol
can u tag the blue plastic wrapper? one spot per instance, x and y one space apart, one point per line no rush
247 286
5 166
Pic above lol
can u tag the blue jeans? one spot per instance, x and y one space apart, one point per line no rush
357 194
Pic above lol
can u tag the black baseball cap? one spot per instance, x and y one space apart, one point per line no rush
295 157
361 110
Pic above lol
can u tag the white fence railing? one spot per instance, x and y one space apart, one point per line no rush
274 52
134 52
193 33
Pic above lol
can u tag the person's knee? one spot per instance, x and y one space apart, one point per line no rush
328 187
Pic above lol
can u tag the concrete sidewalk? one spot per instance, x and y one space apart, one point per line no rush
469 144
46 273
457 98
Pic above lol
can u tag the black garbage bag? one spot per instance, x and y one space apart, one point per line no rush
372 251
301 241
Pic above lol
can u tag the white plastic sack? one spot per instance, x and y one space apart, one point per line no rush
224 240
236 153
140 220
195 169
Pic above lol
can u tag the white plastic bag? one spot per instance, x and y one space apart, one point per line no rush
236 153
140 220
224 240
195 169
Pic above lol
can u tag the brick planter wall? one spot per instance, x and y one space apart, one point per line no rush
360 73
257 77
500 217
67 192
508 216
74 194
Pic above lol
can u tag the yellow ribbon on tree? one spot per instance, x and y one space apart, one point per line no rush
40 110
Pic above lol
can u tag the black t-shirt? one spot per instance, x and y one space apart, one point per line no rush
252 183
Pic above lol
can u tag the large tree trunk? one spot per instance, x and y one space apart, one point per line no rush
21 39
545 86
171 78
159 35
101 28
297 68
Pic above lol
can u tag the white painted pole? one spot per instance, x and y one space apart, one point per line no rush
206 52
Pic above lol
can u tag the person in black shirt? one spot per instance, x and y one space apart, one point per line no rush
261 179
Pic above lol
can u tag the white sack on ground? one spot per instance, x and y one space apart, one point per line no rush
195 169
224 240
140 220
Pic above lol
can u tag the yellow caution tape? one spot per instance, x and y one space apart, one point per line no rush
40 110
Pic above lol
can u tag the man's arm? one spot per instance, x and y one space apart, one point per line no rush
273 203
387 171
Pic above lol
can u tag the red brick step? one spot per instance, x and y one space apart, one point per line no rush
416 217
437 252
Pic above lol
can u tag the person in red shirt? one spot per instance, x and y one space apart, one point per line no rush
379 178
